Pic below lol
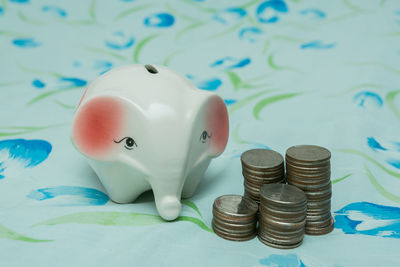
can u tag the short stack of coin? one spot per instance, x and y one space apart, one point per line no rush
235 217
282 215
308 168
259 167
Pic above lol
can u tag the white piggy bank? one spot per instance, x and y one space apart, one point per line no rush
147 127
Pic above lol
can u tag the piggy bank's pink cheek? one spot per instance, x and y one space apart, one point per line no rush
96 126
218 124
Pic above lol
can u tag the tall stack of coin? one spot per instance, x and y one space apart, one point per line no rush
308 168
282 215
235 217
259 167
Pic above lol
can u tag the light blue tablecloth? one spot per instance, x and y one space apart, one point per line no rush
291 72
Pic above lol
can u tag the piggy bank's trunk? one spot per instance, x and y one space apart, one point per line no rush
167 188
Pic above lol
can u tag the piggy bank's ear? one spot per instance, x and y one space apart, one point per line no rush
217 123
97 123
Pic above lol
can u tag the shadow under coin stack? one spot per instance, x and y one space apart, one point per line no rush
235 218
282 215
308 168
259 167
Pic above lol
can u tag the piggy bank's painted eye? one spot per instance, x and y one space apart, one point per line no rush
129 142
204 136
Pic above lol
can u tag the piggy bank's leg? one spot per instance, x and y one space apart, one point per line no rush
122 184
194 177
167 197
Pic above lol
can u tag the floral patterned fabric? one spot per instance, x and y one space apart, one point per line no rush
290 71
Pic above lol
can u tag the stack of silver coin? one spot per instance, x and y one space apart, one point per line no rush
308 168
282 215
259 167
235 217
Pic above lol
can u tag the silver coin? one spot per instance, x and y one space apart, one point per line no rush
231 230
308 176
267 218
283 240
308 169
236 233
235 225
319 204
279 246
310 220
282 194
233 237
318 195
252 198
320 230
263 177
260 182
282 225
265 223
284 220
308 181
316 225
307 187
254 191
283 212
322 185
286 207
283 234
315 212
254 185
305 178
263 228
238 220
234 228
268 211
264 180
260 174
250 193
279 232
318 210
323 189
318 218
317 198
308 153
253 194
310 164
261 159
312 203
235 206
283 216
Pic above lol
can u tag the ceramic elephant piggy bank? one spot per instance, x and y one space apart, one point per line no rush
147 127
